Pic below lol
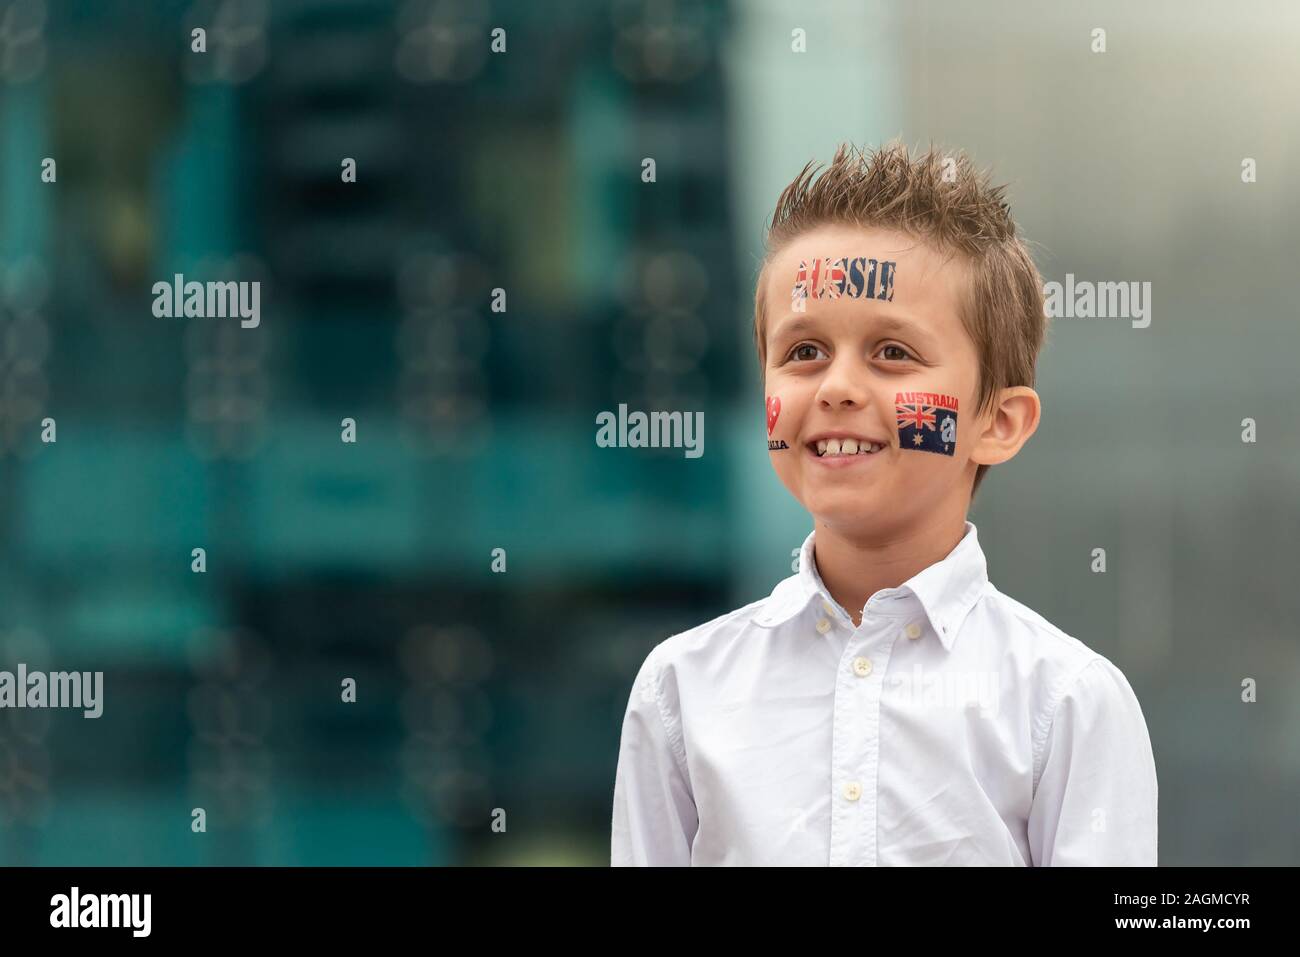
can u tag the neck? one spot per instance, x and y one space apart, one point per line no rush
854 568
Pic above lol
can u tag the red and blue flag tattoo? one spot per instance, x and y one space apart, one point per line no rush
927 421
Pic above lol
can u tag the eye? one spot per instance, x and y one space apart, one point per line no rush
897 349
807 352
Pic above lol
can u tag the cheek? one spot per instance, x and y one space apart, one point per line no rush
783 409
772 405
926 423
784 456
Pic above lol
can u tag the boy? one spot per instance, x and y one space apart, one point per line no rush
888 705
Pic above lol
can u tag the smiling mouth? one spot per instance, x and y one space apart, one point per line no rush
833 448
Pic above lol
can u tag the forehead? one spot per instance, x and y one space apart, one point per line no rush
927 285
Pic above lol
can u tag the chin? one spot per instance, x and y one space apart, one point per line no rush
848 512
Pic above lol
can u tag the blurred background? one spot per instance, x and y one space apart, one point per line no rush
522 170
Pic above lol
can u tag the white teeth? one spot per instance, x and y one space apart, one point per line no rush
847 447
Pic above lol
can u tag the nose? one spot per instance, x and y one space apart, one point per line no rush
842 386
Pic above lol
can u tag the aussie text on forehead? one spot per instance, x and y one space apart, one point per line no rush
843 277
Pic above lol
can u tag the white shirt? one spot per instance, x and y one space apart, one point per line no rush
954 726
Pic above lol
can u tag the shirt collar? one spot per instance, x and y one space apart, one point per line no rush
946 590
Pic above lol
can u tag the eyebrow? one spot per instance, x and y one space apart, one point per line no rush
800 324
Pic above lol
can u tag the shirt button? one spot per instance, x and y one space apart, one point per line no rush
830 609
823 625
861 667
913 630
853 790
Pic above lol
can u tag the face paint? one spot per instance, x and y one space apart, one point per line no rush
927 421
773 410
845 277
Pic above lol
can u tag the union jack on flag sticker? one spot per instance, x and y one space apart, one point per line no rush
844 277
927 421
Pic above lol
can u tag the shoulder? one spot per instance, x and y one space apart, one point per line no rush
694 648
1052 662
1061 672
1045 653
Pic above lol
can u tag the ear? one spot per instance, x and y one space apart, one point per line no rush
1007 426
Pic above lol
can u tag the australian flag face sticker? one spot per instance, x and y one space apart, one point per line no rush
927 421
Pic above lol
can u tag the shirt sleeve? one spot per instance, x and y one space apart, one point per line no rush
1096 799
655 819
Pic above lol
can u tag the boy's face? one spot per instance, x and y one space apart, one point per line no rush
835 369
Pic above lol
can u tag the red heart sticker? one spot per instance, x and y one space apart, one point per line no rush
773 410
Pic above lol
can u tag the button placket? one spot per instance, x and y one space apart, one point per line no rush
856 739
855 746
